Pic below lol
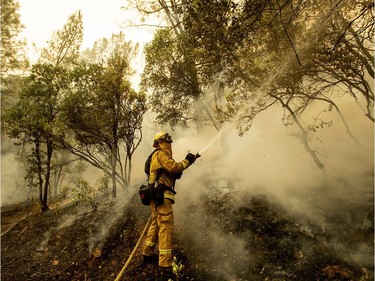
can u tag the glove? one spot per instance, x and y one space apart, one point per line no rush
177 176
190 157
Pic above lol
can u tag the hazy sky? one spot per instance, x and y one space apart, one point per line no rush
101 18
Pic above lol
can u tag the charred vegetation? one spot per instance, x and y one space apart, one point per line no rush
225 235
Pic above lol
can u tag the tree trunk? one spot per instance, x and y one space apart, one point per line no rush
113 160
39 171
129 169
44 204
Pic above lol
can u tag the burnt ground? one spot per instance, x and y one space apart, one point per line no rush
219 237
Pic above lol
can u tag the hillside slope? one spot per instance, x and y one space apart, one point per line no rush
220 238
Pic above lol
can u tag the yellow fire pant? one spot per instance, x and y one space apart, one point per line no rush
161 228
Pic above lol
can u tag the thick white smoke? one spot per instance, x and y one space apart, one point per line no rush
270 160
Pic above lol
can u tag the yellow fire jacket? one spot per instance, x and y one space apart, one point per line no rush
163 159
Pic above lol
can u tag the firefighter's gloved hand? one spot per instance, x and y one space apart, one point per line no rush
190 157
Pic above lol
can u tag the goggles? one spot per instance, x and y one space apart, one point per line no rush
166 138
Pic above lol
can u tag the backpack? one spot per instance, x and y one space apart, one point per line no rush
148 192
148 162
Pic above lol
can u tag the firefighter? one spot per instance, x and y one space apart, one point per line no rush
164 170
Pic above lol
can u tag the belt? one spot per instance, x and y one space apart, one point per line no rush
164 187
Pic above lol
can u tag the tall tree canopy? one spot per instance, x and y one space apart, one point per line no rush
33 121
243 57
103 111
13 58
12 48
64 45
34 118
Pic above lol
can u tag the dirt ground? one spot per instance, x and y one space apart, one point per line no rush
254 239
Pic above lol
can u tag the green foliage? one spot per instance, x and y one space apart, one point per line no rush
254 47
12 54
63 47
172 79
183 66
103 185
84 194
79 111
10 86
242 57
102 99
100 102
12 49
103 111
106 49
33 116
33 121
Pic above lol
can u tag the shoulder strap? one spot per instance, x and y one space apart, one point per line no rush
160 170
156 149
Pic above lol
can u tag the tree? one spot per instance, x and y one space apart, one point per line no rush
344 60
12 54
262 54
84 194
167 76
63 47
187 64
12 49
314 69
32 120
173 75
61 170
134 108
10 86
103 111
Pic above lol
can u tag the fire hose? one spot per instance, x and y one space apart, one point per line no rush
134 250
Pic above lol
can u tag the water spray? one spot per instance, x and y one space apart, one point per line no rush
214 139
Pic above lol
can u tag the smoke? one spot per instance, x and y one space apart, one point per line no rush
13 188
270 160
269 155
111 219
100 225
